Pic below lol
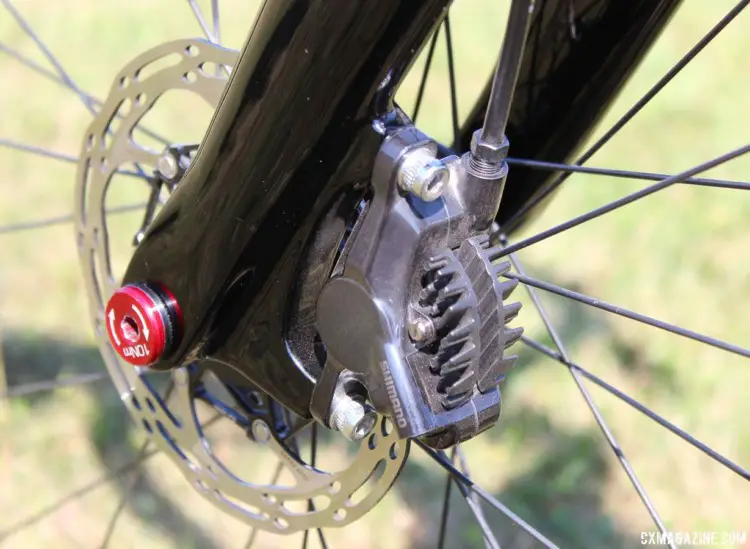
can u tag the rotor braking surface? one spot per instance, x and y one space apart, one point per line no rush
173 426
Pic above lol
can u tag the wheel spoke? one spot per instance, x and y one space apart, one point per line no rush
557 340
44 72
123 499
128 490
216 22
472 501
12 144
482 493
87 99
212 35
637 107
684 435
38 224
603 305
310 504
60 220
465 485
446 504
201 21
625 200
132 465
58 80
301 425
463 466
663 81
626 174
39 386
613 444
27 389
80 492
452 79
425 73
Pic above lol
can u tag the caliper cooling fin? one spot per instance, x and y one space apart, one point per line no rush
466 302
418 316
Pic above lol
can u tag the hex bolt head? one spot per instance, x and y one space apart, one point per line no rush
492 153
421 330
423 175
261 432
167 165
351 418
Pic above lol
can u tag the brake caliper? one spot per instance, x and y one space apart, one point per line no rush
416 321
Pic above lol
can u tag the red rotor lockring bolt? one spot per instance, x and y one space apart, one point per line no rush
144 323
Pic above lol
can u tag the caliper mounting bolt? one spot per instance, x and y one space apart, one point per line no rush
423 175
351 417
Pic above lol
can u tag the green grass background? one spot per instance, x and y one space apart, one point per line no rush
681 255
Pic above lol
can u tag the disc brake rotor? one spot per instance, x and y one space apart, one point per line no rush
174 428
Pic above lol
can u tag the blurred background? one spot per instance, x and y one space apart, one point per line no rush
681 255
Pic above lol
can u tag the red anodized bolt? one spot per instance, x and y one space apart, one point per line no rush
143 323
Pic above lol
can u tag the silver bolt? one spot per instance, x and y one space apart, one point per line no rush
492 153
351 418
261 432
421 330
423 175
139 236
167 165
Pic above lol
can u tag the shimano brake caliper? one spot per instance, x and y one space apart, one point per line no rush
415 321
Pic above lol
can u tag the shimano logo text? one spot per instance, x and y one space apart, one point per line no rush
398 411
